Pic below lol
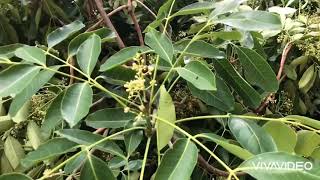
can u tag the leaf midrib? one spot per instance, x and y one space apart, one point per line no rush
182 154
21 77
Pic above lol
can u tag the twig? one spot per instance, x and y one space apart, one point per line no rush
284 55
109 14
98 102
117 10
205 165
146 7
284 58
99 130
105 133
93 27
129 5
89 8
135 21
108 22
265 103
71 71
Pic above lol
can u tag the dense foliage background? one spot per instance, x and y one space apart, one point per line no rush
159 89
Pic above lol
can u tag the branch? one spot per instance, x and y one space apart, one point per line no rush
99 130
109 15
94 26
108 22
136 24
265 103
283 59
284 55
205 165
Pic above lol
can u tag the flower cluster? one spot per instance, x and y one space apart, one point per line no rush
135 86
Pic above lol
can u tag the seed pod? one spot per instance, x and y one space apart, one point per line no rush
2 109
5 123
297 37
34 134
297 30
13 151
298 61
290 72
314 34
314 27
307 79
302 107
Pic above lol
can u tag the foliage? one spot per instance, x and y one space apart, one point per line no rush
207 90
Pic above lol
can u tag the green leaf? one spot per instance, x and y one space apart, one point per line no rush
199 75
75 163
31 54
8 50
88 54
5 164
8 34
123 56
227 145
49 149
163 12
195 8
15 78
167 112
55 11
5 123
63 33
109 118
223 7
83 137
14 151
249 95
252 21
178 162
118 75
76 103
221 99
117 162
34 134
134 165
104 33
33 87
280 165
23 113
96 169
304 120
160 43
283 135
258 69
316 154
53 115
258 44
251 136
307 142
200 49
37 17
132 140
14 176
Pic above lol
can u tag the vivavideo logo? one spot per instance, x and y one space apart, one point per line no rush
303 166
